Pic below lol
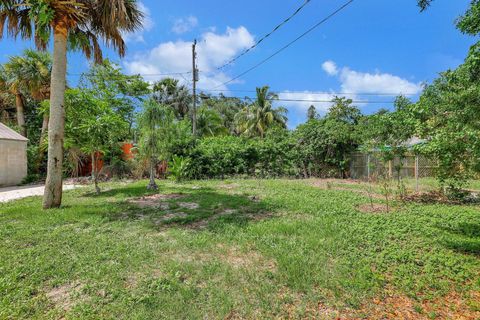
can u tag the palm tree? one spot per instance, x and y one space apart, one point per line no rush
156 127
5 98
9 78
30 74
168 92
210 123
5 101
256 119
80 24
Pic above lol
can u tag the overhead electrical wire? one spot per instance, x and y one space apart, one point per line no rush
266 36
289 44
306 2
388 94
300 100
137 74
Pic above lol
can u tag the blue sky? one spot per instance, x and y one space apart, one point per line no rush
372 47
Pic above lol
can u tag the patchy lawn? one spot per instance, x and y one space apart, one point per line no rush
237 249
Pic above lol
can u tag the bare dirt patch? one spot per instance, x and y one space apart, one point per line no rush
228 186
375 208
171 216
237 258
393 306
131 282
440 197
203 224
397 306
326 183
63 296
155 201
188 205
232 256
227 212
295 308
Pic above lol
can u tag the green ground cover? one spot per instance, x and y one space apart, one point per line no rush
235 249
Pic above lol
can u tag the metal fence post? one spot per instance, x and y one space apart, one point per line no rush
368 166
416 173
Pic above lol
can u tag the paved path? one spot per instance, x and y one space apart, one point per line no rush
14 193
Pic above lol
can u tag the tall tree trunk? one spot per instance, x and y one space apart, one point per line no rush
20 113
152 185
53 188
44 127
94 173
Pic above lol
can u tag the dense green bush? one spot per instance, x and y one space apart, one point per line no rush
218 157
323 147
276 154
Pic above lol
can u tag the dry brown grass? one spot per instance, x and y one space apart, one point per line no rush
155 201
65 296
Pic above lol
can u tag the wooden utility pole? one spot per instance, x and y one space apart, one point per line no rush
195 79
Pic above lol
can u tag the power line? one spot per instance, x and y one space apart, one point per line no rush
137 74
266 36
388 94
302 100
289 44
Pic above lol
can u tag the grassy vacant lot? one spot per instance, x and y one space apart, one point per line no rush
237 249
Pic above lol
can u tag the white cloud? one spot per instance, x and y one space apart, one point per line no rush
176 56
146 26
381 83
297 110
322 100
330 67
356 82
183 25
353 84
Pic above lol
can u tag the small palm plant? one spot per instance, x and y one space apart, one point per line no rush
156 127
178 168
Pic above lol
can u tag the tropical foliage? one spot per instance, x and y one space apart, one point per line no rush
75 24
257 118
168 92
156 125
235 136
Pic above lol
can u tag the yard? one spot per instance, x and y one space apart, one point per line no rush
237 249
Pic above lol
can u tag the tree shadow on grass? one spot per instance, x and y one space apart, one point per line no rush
183 206
464 238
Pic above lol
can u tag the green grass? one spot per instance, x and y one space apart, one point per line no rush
295 246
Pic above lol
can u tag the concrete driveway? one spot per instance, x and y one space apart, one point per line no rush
14 193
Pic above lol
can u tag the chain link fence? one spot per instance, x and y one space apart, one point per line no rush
364 166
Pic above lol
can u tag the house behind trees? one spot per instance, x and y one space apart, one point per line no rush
13 157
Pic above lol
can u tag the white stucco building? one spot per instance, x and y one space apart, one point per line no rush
13 156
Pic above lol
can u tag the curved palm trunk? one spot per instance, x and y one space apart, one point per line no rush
53 188
20 113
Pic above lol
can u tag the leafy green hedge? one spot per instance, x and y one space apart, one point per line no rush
218 157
